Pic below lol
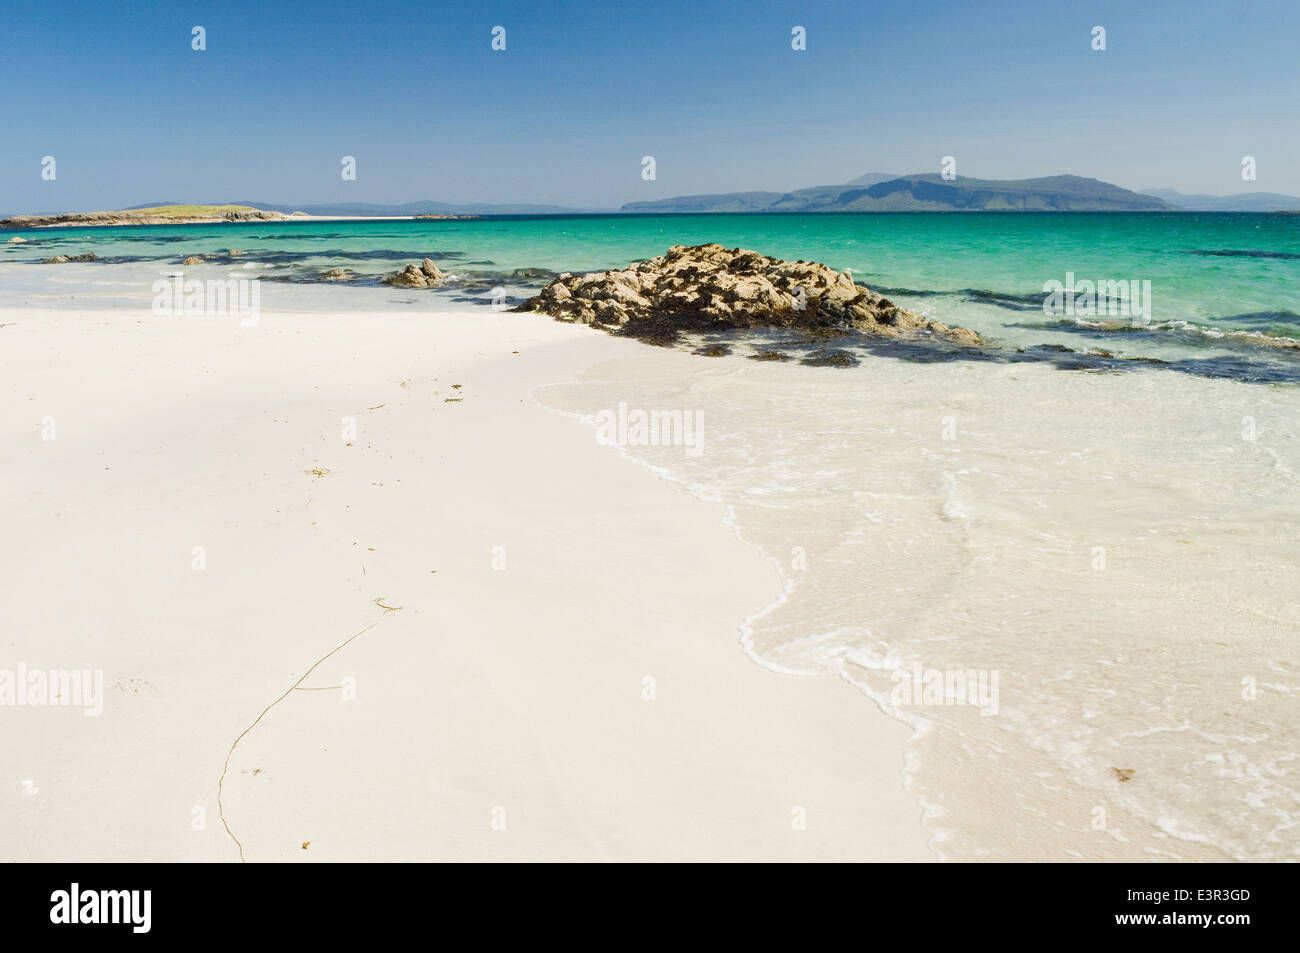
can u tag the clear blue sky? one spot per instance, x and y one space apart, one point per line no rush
712 90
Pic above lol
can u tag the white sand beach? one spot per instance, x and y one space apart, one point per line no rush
461 626
200 529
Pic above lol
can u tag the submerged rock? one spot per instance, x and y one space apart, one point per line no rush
710 288
17 240
830 357
424 275
60 259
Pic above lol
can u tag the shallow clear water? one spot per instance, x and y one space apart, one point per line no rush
1120 551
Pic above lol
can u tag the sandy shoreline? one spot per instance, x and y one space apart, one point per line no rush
499 713
1111 553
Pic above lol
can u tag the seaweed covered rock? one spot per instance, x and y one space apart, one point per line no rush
709 287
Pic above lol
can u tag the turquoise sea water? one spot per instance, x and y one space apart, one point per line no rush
1223 287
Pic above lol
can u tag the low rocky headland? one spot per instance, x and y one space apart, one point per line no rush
162 215
704 288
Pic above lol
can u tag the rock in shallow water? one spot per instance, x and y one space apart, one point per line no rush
60 259
830 357
709 288
424 275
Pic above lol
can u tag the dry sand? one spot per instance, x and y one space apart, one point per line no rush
493 713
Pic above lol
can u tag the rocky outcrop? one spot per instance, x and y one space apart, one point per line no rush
710 288
193 260
60 259
424 275
17 240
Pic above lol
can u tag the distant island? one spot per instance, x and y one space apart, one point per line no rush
185 215
155 215
1242 202
924 192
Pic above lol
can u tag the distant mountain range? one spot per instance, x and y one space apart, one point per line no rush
872 192
1244 202
880 192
